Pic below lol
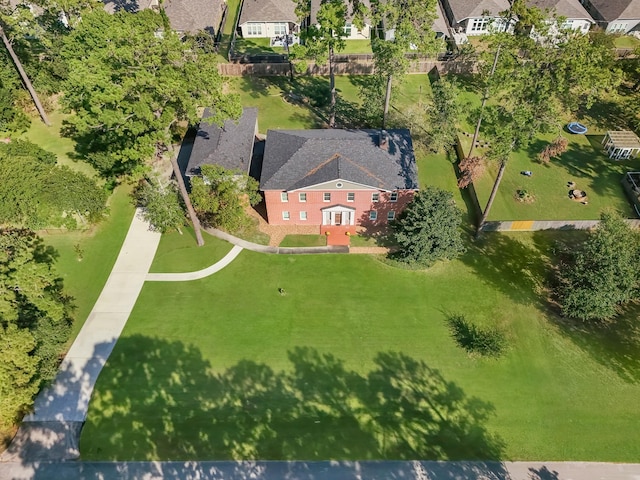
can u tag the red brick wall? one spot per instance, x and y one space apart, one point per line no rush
314 205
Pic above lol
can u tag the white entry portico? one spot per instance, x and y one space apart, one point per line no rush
338 215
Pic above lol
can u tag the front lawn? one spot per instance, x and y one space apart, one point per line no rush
304 241
286 357
176 254
85 258
584 163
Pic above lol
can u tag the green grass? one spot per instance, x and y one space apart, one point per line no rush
256 45
195 374
233 11
356 46
583 163
49 138
304 241
176 253
267 94
626 41
83 279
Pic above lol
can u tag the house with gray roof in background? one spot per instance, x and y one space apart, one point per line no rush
615 16
574 14
268 19
351 31
185 16
476 17
337 178
230 146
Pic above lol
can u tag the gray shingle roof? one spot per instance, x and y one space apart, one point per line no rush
463 9
296 159
617 9
192 16
566 8
268 11
230 146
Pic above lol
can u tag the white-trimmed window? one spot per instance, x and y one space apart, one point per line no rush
351 197
479 25
279 28
326 197
347 29
254 29
286 215
284 197
303 215
393 197
391 215
375 197
373 215
302 197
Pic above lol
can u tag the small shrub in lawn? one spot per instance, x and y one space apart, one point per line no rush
488 342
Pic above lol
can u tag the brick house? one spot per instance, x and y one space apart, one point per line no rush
343 178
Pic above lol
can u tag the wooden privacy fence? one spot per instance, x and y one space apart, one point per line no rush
357 67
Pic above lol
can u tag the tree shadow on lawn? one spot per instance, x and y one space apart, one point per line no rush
517 269
588 166
158 399
616 345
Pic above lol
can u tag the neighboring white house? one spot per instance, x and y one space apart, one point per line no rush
476 17
268 18
351 32
615 16
574 14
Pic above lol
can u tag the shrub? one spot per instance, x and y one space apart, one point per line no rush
488 342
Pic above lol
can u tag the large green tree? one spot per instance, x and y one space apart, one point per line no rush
132 81
409 24
326 37
428 230
36 193
220 196
34 320
533 81
603 273
161 205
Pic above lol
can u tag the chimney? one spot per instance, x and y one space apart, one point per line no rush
383 140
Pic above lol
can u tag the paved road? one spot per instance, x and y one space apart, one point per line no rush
369 470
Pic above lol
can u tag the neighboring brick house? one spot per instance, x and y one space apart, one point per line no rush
230 146
337 177
615 16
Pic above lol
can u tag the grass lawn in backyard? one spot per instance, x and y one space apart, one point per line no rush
626 41
49 138
304 241
584 163
99 247
356 46
267 94
233 11
175 253
197 373
256 45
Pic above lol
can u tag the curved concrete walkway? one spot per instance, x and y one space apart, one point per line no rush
205 272
256 247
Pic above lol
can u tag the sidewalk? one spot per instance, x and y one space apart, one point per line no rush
59 410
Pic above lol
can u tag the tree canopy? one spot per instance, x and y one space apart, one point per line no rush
219 196
131 81
428 230
603 272
34 320
36 193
